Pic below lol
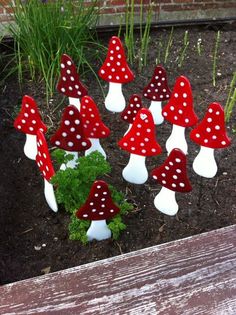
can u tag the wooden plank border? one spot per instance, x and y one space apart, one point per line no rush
192 276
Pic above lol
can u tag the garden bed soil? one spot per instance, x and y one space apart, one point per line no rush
34 240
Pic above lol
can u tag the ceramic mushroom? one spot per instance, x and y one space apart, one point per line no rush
29 122
172 175
70 136
94 128
140 142
69 83
116 71
130 112
98 208
179 111
157 91
45 165
210 134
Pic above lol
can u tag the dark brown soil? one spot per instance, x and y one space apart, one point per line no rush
34 240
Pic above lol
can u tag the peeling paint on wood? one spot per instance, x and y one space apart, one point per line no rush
193 276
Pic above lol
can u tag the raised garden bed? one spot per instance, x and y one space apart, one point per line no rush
34 240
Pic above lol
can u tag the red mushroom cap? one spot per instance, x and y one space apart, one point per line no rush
29 120
158 89
70 136
141 138
179 110
130 112
172 174
43 158
115 68
92 123
99 204
69 83
211 132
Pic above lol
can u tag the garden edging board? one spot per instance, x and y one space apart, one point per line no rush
195 275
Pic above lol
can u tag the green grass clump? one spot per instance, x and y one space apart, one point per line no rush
44 30
73 187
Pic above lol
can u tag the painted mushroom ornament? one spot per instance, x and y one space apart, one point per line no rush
140 142
69 83
44 163
116 71
210 134
172 175
180 113
157 91
29 122
98 208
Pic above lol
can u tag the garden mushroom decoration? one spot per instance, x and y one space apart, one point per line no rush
130 112
172 175
70 135
179 111
210 134
140 142
69 83
29 122
94 128
98 208
45 165
157 91
116 71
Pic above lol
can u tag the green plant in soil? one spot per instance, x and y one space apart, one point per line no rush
73 187
199 46
215 57
145 36
43 31
183 50
169 44
231 99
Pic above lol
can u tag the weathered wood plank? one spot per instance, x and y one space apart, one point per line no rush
193 276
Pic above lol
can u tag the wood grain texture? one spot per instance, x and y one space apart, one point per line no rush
193 276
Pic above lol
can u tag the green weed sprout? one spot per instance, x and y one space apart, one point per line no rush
199 46
160 46
169 44
73 187
217 43
129 30
230 103
183 51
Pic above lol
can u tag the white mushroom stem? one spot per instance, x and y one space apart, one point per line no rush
75 101
135 171
165 201
30 148
204 164
115 101
177 140
96 146
98 230
50 195
72 163
156 110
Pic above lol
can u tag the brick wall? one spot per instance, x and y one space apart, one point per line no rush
163 10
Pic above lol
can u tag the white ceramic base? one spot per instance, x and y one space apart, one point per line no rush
98 230
165 201
204 163
135 171
30 148
75 101
177 140
50 195
156 110
96 146
72 163
115 101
